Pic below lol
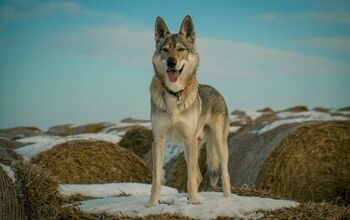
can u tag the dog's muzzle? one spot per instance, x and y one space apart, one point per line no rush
173 73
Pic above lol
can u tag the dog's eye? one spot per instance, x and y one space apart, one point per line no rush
181 49
166 50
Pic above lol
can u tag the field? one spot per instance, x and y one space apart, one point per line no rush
288 164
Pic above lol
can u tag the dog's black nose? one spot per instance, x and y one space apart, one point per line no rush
171 62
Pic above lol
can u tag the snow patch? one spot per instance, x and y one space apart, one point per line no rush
297 117
44 143
111 189
253 114
234 129
213 205
171 151
9 172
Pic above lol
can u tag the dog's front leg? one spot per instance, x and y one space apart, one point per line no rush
158 156
192 169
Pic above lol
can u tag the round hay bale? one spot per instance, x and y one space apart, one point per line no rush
66 130
133 120
10 206
10 144
298 108
266 110
39 192
347 108
88 161
321 109
311 164
138 140
248 151
8 156
20 132
176 172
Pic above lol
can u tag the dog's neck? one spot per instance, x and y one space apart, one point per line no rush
177 94
161 95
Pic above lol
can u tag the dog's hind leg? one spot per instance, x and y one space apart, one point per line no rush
199 177
219 130
192 151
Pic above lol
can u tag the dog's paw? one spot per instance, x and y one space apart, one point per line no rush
194 201
151 204
227 194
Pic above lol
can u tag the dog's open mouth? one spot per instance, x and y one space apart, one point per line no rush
173 74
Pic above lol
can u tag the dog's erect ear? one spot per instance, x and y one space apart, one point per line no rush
187 28
161 29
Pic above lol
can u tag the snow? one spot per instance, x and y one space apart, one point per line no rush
233 117
213 205
79 125
38 139
124 124
234 129
44 143
297 117
9 172
171 151
253 114
111 189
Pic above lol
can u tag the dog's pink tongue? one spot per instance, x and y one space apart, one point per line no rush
173 76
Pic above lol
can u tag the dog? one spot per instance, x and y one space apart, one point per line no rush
186 111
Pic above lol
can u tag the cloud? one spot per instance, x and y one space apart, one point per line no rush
134 46
131 45
334 44
238 58
14 11
332 17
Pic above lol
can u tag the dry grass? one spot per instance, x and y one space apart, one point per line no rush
138 140
176 172
311 210
39 192
90 161
298 108
10 206
312 164
66 130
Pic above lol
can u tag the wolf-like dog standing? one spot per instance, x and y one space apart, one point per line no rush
185 110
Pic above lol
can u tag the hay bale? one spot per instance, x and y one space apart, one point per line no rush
39 192
10 207
133 120
176 172
311 164
266 110
19 132
346 109
8 156
66 130
7 153
321 109
238 112
10 144
310 210
138 140
297 108
248 151
89 161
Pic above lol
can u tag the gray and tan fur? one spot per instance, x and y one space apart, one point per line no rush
185 111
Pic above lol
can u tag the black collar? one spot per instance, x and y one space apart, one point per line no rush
176 94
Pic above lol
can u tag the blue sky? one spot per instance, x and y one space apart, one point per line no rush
90 61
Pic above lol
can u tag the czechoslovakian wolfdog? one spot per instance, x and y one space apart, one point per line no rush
186 111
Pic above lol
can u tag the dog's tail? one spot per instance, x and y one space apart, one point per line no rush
213 161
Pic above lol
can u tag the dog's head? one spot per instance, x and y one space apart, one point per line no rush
175 60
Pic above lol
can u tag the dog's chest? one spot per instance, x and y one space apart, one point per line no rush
173 106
